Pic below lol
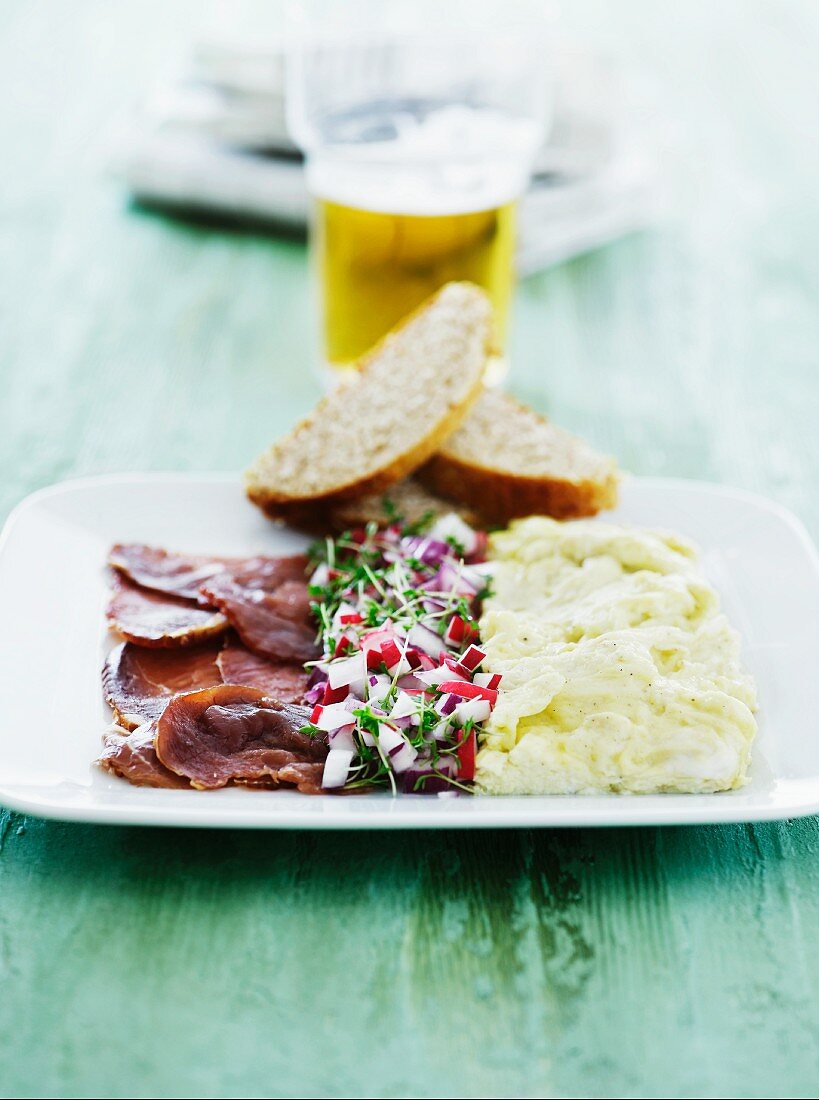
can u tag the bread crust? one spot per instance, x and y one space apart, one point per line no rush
286 507
500 497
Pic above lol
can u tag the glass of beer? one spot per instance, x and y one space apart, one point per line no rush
417 150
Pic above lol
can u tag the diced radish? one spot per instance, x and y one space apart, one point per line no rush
470 691
466 757
487 679
348 671
345 642
334 695
472 657
437 676
336 768
371 644
459 631
478 710
390 653
457 670
332 717
374 639
350 615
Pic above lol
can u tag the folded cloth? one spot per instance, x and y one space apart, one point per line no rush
215 140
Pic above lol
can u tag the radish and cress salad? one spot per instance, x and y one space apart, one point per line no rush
399 690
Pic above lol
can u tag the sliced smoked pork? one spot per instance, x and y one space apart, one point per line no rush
237 734
132 756
283 680
156 619
184 574
273 623
139 682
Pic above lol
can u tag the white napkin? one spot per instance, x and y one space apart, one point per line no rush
215 140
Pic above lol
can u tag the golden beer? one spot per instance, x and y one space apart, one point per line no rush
375 267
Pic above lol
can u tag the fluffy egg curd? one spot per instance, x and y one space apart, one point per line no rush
620 673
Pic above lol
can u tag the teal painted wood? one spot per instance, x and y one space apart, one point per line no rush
669 962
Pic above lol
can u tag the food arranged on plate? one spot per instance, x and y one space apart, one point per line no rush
458 625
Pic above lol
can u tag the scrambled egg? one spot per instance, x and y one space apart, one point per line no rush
619 671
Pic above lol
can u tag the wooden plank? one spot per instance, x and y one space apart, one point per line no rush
669 962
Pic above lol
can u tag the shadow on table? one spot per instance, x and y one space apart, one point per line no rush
192 218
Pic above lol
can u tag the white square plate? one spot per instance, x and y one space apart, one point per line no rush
53 591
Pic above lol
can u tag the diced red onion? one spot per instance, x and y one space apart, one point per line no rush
314 694
342 739
317 676
389 738
451 526
432 784
430 551
403 758
439 675
404 706
427 640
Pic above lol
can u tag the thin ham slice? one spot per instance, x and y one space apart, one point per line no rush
237 734
283 680
184 574
274 623
139 682
175 574
156 619
132 756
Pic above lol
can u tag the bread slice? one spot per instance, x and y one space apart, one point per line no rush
506 461
410 393
407 500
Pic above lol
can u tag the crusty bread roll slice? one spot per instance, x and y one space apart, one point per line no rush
410 393
506 461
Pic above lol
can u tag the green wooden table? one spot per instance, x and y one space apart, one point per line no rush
645 962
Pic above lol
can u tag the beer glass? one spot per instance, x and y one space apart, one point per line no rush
417 149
